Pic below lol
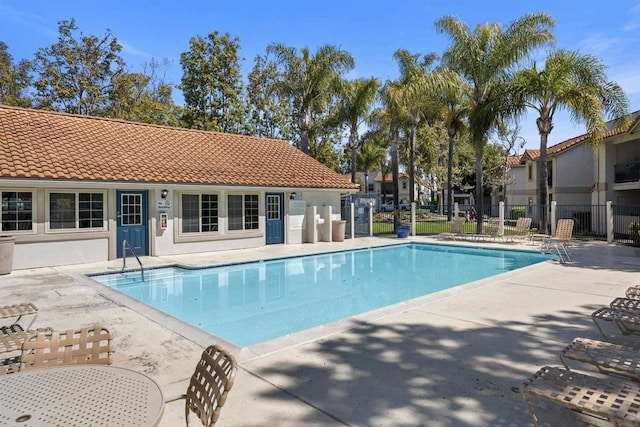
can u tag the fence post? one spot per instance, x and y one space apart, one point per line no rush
455 209
553 217
609 216
353 220
501 216
413 218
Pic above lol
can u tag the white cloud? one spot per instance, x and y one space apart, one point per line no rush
133 51
598 44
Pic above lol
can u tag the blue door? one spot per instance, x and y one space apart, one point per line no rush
274 218
131 216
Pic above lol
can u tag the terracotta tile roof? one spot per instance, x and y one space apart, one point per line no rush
513 161
612 130
529 155
48 145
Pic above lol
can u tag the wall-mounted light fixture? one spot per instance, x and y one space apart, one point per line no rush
164 194
292 196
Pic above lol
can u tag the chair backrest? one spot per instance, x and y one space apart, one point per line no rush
522 226
493 227
210 384
54 348
564 229
457 226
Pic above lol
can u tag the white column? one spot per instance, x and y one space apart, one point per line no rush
553 217
501 216
413 218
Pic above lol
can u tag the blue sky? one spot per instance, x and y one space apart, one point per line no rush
370 30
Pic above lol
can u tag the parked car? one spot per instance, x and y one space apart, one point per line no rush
388 207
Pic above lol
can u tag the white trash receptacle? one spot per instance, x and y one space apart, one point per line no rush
6 254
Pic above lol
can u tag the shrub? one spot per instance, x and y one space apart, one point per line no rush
518 212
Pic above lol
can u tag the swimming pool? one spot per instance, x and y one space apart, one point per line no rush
253 302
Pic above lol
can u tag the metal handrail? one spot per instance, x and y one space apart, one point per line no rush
126 245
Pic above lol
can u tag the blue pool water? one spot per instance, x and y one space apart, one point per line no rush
257 301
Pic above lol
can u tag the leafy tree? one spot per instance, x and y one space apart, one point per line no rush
576 83
212 84
76 73
14 79
325 136
485 58
355 99
270 115
308 80
143 97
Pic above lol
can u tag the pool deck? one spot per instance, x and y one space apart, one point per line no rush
454 358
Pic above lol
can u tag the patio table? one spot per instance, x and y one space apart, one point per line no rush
86 395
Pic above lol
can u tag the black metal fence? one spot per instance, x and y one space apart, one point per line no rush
626 224
590 221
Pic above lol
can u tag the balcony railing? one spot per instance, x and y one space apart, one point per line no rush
627 172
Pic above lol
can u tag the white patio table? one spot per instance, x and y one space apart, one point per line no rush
82 395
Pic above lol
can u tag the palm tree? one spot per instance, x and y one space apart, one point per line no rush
484 58
575 83
371 153
390 117
452 105
355 101
309 78
417 87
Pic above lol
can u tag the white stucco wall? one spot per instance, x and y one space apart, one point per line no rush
48 254
516 191
573 175
40 247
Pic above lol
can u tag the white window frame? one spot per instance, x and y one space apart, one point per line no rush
34 210
77 228
199 194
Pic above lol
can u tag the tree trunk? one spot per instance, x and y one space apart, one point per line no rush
450 178
366 182
353 165
303 123
353 145
479 189
412 149
394 176
544 128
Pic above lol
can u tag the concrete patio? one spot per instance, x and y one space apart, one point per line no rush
454 358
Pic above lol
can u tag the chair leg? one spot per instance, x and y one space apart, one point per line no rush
527 405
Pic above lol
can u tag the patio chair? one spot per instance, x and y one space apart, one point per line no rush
17 312
521 230
209 386
627 322
608 358
72 347
558 243
457 229
491 230
628 304
633 292
608 398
